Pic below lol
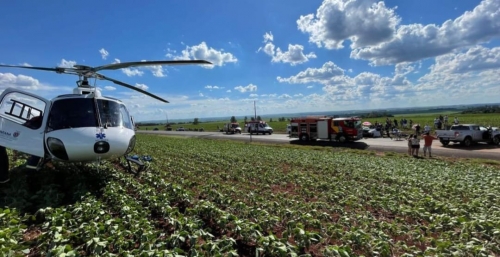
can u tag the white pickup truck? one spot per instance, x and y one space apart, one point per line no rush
467 134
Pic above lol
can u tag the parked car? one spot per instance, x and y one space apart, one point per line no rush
181 129
371 132
467 134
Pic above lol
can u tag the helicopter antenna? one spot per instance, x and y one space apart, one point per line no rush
85 72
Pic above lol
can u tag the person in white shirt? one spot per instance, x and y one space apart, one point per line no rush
427 128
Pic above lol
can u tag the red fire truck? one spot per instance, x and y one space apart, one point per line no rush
328 128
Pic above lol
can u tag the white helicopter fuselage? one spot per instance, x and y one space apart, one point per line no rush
81 143
82 127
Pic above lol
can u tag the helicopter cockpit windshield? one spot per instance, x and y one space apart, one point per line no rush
81 112
72 113
113 114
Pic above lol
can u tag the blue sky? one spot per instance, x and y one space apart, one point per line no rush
288 56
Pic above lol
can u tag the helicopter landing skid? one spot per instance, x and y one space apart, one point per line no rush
135 161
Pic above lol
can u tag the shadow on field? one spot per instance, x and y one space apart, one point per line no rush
30 190
353 145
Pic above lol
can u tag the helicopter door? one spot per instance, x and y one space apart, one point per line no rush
22 121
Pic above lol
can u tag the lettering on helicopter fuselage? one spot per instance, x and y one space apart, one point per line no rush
8 135
5 133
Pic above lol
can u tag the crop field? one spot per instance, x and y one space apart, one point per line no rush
223 198
486 119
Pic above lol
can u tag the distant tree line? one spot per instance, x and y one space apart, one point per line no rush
375 115
482 109
252 119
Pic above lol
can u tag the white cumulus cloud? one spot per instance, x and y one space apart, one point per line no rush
284 96
130 72
141 86
415 42
28 83
203 52
476 58
209 87
104 53
66 64
328 72
249 88
295 54
363 22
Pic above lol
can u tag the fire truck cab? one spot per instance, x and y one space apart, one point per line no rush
327 128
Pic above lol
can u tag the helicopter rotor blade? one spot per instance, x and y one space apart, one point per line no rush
91 72
57 69
131 87
122 65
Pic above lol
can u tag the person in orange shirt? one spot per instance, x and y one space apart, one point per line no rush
428 143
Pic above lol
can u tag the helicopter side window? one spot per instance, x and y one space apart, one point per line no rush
72 113
110 113
127 121
22 109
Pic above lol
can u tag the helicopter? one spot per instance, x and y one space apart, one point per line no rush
83 127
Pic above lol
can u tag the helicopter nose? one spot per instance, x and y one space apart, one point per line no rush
101 147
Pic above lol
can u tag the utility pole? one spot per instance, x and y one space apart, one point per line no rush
254 110
167 126
255 118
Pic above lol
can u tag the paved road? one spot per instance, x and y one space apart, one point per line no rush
482 151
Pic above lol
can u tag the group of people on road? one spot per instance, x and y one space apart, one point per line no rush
414 144
414 139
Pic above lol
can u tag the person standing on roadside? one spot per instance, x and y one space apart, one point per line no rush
415 145
409 144
428 143
417 129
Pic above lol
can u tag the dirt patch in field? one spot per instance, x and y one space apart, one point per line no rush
289 188
32 233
